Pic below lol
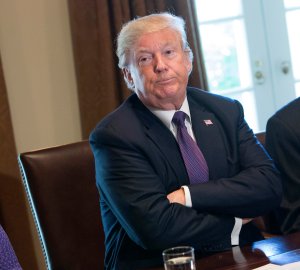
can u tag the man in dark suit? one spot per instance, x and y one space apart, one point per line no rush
283 144
147 200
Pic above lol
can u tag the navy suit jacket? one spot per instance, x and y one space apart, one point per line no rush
138 162
283 144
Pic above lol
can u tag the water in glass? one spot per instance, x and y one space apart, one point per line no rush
180 263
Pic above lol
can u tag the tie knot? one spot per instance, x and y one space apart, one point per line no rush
178 118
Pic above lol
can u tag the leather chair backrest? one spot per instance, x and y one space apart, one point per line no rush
61 189
261 136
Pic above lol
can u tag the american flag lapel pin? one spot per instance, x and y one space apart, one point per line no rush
208 122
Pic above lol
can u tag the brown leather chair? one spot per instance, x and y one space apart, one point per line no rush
261 136
61 189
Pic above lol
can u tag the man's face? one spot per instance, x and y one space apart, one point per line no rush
159 69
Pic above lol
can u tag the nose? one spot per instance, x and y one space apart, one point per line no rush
159 64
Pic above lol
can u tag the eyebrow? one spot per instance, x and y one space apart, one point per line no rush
146 50
143 51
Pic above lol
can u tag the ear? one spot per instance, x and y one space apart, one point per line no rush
188 62
127 75
128 78
189 66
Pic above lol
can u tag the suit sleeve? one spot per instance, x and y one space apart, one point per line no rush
283 144
255 187
136 195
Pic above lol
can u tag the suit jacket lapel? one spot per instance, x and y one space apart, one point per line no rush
209 137
164 140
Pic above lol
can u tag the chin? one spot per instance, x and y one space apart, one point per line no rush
168 91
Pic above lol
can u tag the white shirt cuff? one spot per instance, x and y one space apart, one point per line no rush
235 234
188 200
236 231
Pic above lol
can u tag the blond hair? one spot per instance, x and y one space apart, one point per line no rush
132 30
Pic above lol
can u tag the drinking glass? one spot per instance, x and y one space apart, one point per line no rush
179 258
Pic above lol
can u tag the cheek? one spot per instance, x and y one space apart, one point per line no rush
146 77
141 81
137 77
186 71
188 65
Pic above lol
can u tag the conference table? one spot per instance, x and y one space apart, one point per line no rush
279 250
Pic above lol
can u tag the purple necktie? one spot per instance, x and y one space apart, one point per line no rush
8 258
193 158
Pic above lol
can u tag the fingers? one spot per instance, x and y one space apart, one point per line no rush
177 196
246 220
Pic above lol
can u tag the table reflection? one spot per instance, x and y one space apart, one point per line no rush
277 250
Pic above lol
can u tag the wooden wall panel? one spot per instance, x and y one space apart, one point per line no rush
13 209
100 86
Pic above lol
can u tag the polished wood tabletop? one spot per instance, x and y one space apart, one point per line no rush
276 250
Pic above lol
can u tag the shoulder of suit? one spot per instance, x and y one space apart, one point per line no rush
207 98
116 115
289 111
127 117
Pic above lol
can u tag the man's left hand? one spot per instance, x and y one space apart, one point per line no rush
177 196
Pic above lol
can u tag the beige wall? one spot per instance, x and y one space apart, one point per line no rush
36 52
35 46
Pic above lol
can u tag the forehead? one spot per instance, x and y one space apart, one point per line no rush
157 40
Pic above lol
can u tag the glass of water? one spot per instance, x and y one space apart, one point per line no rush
179 258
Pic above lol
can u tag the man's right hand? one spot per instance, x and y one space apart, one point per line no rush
246 220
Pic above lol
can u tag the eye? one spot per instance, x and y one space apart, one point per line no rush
144 60
170 53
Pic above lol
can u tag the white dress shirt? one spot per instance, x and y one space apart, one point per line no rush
166 118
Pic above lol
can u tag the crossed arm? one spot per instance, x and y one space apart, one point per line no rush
178 196
139 193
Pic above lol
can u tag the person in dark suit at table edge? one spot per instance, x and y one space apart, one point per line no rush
147 201
283 144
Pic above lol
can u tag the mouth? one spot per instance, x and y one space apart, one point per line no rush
165 81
